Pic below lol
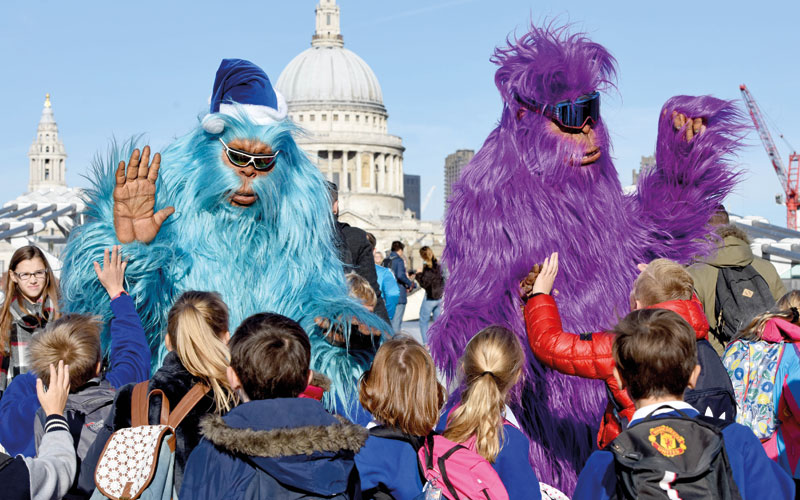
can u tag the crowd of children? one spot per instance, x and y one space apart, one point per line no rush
247 419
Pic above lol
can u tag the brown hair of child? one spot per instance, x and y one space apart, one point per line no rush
492 365
74 339
401 389
361 289
271 354
663 280
655 352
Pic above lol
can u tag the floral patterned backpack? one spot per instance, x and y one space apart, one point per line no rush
139 461
753 366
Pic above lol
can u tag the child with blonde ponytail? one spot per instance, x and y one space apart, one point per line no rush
197 341
491 366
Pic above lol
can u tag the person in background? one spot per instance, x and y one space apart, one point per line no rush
388 285
398 267
492 364
431 279
355 251
31 300
49 475
733 251
655 355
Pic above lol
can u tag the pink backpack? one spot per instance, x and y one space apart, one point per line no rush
459 472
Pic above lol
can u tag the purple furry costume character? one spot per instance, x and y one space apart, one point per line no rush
536 187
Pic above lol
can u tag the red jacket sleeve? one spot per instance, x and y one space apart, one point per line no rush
587 355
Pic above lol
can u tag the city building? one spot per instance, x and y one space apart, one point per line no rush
46 214
411 190
452 170
335 96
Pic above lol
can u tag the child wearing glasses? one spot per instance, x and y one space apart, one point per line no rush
31 300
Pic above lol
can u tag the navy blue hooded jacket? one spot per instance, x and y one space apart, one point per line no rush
275 448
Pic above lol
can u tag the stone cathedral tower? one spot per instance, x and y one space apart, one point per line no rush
47 155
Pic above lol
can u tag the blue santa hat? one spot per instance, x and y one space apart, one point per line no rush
242 83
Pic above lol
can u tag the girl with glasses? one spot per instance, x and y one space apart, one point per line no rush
31 300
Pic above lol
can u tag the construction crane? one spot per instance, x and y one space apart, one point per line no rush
790 179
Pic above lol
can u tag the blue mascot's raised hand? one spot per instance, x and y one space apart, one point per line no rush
135 198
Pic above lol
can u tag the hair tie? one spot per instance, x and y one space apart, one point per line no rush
795 314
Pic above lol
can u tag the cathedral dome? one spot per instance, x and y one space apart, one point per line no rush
329 73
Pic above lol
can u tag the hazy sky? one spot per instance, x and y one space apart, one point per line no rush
116 69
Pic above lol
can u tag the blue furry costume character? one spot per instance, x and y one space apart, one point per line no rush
260 233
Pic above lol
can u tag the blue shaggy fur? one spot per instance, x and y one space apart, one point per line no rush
277 255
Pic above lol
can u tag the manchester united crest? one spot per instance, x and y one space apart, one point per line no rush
668 442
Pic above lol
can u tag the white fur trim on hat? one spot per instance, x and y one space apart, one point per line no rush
261 115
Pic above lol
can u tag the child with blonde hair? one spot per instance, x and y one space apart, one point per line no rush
491 366
197 338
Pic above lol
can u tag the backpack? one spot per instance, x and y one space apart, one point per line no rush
752 367
387 262
85 412
458 472
139 461
673 457
713 394
742 293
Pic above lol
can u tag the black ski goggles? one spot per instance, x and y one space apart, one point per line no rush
262 163
569 114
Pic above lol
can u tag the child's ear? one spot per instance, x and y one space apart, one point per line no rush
98 368
618 378
310 377
694 376
168 343
233 379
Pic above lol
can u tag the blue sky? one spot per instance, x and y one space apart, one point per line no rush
116 69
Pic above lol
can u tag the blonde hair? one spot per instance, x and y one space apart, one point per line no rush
786 308
789 300
361 289
195 325
74 339
427 255
662 281
12 291
401 390
492 365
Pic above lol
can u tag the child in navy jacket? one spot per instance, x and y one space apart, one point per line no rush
655 354
401 392
275 444
129 361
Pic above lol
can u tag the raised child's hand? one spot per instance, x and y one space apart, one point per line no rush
54 400
112 274
547 276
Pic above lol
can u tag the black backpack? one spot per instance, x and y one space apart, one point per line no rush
387 262
713 394
673 457
742 293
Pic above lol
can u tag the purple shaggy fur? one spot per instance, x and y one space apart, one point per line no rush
525 195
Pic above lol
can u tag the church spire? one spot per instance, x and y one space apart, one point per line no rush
46 154
328 32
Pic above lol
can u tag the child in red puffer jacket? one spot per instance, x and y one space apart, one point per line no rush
663 284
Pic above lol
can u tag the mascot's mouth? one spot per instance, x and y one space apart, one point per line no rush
243 199
591 156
